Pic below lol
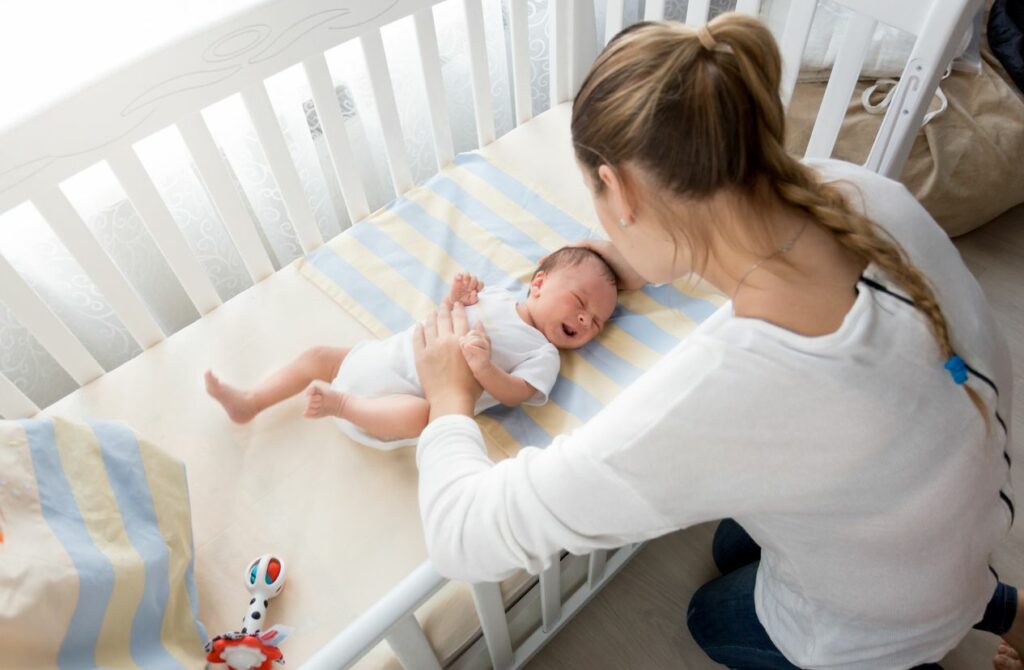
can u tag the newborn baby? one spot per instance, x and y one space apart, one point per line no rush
375 394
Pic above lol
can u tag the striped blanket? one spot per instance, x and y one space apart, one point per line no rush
394 268
95 550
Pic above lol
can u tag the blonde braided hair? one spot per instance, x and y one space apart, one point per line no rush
699 111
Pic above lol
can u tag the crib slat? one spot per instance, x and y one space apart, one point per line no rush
339 146
697 12
849 60
80 242
551 595
794 39
584 43
387 110
595 567
491 610
161 226
613 19
559 64
225 196
752 7
521 61
30 310
410 645
654 10
268 130
13 403
479 72
430 63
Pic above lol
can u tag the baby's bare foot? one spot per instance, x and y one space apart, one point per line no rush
323 401
1007 659
236 402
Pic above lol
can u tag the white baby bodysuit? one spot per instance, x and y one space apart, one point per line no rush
376 368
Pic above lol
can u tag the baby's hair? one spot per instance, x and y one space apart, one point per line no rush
568 257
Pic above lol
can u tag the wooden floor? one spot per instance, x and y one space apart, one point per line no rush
638 620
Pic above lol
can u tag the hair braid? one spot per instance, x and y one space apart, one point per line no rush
799 187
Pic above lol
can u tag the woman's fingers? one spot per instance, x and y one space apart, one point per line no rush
429 328
460 323
444 321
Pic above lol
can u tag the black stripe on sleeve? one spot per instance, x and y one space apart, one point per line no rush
1009 505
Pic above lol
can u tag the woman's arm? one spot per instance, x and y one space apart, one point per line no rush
483 521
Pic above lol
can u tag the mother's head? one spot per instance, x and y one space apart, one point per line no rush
670 116
680 135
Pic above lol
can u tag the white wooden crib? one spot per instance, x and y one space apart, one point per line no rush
172 85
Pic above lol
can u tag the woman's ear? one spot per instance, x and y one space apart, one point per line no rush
619 192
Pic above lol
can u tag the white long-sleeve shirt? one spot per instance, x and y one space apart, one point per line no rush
863 471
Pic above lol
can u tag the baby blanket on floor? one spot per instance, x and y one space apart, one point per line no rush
394 268
95 550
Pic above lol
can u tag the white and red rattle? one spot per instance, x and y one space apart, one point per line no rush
250 649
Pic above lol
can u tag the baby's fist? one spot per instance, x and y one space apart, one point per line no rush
476 348
465 288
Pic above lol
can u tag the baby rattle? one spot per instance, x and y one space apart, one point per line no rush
249 649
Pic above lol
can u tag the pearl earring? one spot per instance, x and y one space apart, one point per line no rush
622 223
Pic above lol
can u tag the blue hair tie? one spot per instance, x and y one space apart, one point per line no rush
957 368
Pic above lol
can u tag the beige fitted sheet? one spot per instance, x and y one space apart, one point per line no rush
343 516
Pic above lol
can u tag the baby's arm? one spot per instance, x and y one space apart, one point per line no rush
506 389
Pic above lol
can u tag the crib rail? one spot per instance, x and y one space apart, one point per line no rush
392 618
173 86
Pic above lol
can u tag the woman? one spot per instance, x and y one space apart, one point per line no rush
845 410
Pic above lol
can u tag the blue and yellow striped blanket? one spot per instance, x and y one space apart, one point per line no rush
95 552
474 216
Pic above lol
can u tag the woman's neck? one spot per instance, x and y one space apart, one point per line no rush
798 277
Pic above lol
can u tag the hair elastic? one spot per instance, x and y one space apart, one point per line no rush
957 368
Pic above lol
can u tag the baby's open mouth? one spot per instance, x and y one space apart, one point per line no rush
568 331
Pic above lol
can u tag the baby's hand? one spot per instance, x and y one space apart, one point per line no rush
476 348
465 288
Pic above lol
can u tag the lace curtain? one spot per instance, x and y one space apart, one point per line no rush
47 266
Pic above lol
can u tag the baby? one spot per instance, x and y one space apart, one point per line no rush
374 392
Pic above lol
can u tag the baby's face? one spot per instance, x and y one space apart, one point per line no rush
571 304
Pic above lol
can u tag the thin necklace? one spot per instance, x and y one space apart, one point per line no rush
781 250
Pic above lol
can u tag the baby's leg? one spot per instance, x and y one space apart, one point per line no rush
393 417
242 405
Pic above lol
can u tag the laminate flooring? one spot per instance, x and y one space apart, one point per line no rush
638 620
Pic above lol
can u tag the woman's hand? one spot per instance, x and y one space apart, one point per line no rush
628 278
448 383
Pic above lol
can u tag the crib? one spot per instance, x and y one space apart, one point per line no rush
405 602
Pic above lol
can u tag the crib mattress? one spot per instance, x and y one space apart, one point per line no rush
345 517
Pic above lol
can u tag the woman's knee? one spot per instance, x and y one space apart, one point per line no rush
696 615
732 547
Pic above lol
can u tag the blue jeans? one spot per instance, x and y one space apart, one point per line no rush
723 622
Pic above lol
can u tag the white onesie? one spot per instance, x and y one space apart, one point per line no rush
376 368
